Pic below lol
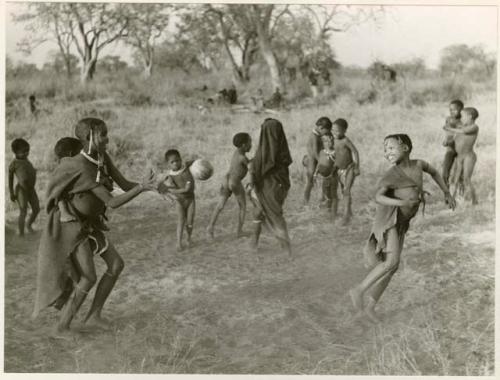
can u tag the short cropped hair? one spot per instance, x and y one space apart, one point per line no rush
241 138
402 138
324 122
19 145
342 123
458 103
171 152
472 111
67 147
84 126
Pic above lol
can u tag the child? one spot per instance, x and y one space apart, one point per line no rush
66 268
347 162
465 138
66 147
398 196
24 192
326 169
33 106
323 126
453 121
180 183
232 182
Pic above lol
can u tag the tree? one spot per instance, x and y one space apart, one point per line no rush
96 26
61 63
461 59
48 22
147 23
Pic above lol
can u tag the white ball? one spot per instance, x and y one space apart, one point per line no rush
201 169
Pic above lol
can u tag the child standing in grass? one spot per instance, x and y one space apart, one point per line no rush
464 140
347 163
314 146
24 192
232 182
452 122
398 196
180 183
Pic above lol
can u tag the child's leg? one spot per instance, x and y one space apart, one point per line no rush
310 168
190 212
84 261
181 221
258 219
349 180
449 158
22 201
381 271
335 199
222 202
242 204
35 209
469 163
115 266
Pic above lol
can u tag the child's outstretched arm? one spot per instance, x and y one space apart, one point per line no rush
355 155
104 195
11 185
448 198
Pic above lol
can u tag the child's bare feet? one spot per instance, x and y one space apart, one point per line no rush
370 311
30 229
240 234
356 299
179 247
61 332
189 243
345 220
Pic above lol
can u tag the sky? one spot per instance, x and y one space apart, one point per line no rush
404 33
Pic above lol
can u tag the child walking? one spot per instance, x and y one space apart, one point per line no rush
398 197
24 192
347 163
180 183
232 182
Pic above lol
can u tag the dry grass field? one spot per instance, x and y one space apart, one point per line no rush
220 308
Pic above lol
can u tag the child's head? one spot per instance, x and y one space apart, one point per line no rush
67 147
327 141
173 159
397 147
21 148
470 115
323 125
339 128
456 106
93 134
243 140
32 98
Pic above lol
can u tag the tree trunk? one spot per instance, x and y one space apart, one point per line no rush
266 50
67 63
88 71
148 69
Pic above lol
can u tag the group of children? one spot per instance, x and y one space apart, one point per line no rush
80 191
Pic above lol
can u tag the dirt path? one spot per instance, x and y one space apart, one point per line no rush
219 308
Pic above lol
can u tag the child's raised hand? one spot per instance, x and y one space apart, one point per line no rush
149 181
450 201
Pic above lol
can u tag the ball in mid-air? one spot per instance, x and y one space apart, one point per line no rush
201 169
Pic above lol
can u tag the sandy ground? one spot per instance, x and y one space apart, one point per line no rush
220 308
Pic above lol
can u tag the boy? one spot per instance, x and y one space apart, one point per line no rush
398 196
33 106
347 162
180 182
66 147
232 182
24 192
453 121
465 138
323 126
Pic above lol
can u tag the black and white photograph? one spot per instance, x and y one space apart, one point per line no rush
249 188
